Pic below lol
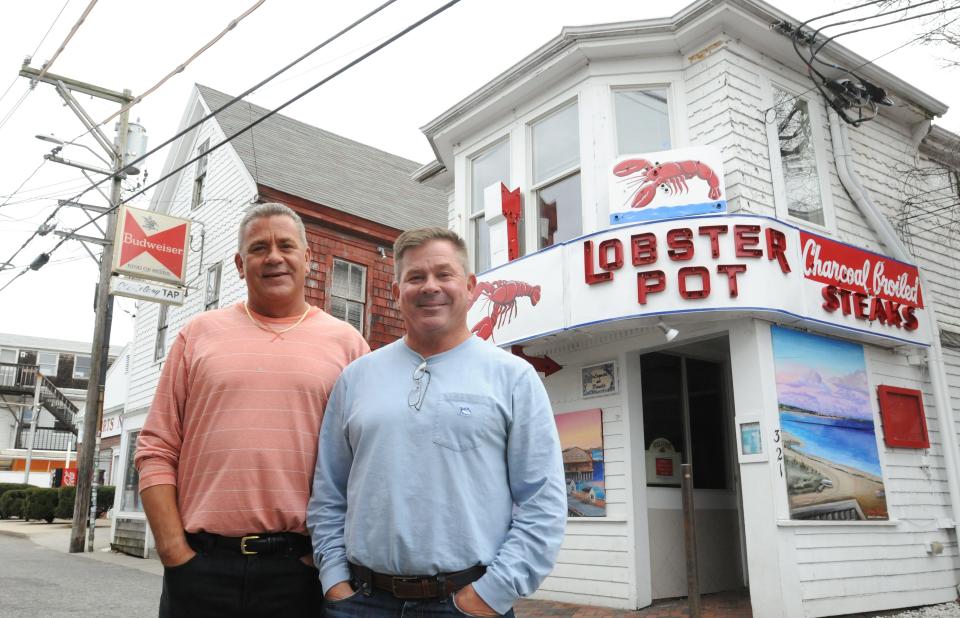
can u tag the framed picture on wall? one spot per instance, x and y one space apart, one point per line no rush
599 379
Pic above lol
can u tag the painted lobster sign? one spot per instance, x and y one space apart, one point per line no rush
670 183
519 298
500 300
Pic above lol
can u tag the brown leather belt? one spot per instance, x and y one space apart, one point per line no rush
418 586
281 544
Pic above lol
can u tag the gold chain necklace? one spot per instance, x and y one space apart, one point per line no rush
267 328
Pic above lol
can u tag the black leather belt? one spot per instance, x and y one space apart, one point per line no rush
267 544
417 586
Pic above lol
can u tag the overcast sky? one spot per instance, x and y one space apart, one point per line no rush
381 102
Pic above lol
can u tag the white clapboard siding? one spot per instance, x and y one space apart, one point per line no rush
228 191
594 563
849 568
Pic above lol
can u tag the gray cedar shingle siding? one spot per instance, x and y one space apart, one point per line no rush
328 169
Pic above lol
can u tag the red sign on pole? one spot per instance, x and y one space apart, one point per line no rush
151 245
70 477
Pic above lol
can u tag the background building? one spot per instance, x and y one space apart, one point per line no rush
65 367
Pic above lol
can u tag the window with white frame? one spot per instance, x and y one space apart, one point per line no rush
793 144
160 345
348 292
643 124
130 501
81 367
201 177
555 147
8 375
212 296
47 362
489 167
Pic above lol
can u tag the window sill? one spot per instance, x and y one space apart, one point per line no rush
804 523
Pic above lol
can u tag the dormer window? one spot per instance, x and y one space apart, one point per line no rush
556 176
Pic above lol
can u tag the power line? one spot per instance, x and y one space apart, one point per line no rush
856 68
889 23
302 94
55 19
73 31
212 114
25 181
179 69
52 24
346 67
16 106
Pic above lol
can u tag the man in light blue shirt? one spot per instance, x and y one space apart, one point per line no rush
439 484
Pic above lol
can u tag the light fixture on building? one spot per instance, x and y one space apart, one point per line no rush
668 333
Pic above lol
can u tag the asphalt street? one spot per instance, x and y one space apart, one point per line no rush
41 582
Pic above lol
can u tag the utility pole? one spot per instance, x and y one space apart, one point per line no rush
84 510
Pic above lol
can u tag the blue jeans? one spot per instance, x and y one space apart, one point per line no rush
383 604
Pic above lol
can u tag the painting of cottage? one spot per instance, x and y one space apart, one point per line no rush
581 438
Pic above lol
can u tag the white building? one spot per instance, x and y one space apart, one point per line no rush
813 521
65 366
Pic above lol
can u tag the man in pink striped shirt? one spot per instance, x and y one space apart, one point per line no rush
228 450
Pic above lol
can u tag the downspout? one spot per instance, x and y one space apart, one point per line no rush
851 182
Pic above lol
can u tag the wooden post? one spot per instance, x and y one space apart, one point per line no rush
690 539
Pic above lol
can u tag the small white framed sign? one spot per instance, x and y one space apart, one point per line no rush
598 380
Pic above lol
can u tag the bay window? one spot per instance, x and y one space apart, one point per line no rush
489 167
556 176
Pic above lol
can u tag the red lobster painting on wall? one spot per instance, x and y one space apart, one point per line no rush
671 176
500 298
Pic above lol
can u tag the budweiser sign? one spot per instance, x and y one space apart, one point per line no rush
865 285
150 245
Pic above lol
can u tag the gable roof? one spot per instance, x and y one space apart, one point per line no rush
328 169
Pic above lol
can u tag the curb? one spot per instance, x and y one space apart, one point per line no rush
15 534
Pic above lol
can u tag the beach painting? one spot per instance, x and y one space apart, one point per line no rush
581 439
827 433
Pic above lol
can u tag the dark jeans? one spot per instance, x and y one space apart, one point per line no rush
380 603
218 582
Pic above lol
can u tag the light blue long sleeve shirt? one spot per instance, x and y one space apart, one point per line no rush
409 492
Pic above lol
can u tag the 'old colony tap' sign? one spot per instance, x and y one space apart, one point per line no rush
739 263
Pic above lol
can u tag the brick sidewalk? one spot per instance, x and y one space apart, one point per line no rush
734 604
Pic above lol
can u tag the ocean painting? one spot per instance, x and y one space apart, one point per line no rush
581 438
830 458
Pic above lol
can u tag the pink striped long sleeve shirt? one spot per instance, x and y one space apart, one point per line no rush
235 418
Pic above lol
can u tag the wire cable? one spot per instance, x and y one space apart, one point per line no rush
25 181
813 38
296 98
73 31
37 48
185 131
262 82
180 68
349 65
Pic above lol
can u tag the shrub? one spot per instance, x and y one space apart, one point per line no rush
40 503
65 499
11 503
5 487
68 495
105 494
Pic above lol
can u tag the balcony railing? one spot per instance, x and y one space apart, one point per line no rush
22 379
47 439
